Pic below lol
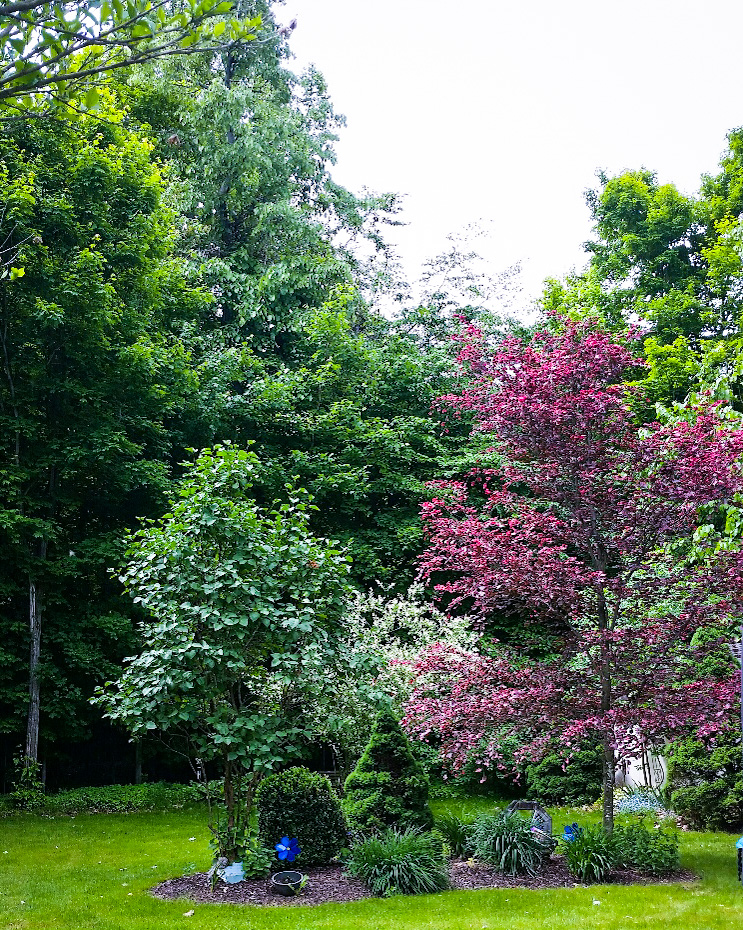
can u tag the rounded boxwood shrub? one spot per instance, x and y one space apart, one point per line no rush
302 804
388 787
551 781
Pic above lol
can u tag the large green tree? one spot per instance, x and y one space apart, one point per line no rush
244 613
673 263
93 375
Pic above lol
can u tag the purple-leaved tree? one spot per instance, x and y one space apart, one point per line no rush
575 529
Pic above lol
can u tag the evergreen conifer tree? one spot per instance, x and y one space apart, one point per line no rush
388 787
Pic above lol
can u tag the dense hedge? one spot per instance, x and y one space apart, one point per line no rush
113 799
300 804
388 787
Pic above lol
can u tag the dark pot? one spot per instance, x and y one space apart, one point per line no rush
286 883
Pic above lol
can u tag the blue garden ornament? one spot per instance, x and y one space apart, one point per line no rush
572 832
288 849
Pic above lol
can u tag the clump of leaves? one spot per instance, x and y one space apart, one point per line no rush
508 842
28 789
592 854
400 862
456 834
653 851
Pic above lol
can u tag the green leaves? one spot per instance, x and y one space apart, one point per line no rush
229 607
50 57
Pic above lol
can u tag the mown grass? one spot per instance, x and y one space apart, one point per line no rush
92 872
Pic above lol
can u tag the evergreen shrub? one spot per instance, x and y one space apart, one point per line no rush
388 787
705 782
579 782
301 804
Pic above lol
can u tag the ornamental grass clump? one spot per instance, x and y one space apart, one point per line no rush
456 834
508 842
400 862
591 854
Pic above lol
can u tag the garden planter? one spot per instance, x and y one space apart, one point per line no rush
232 874
287 883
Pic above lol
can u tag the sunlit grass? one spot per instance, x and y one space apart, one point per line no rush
93 872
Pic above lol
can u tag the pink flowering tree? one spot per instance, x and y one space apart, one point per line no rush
577 530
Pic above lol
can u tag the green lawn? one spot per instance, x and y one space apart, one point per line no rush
92 872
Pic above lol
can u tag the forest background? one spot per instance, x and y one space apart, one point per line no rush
180 270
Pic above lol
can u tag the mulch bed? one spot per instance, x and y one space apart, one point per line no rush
330 883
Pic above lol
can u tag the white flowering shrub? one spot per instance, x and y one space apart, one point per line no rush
383 638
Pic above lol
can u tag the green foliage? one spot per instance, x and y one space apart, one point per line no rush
246 606
552 781
653 851
119 799
507 842
705 782
28 789
388 786
300 804
239 842
457 834
55 52
592 854
93 379
400 862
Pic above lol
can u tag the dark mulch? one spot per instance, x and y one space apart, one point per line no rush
330 883
326 883
554 874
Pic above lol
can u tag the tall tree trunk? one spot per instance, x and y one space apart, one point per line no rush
137 762
35 605
609 756
608 774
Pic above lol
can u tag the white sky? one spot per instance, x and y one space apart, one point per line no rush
502 112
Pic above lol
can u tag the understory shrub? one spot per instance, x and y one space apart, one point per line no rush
507 842
654 851
456 834
553 781
302 804
400 862
705 782
591 855
388 787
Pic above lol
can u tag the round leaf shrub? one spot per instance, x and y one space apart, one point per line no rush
388 787
302 804
551 781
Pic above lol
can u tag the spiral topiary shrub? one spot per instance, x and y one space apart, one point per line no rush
299 803
388 787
